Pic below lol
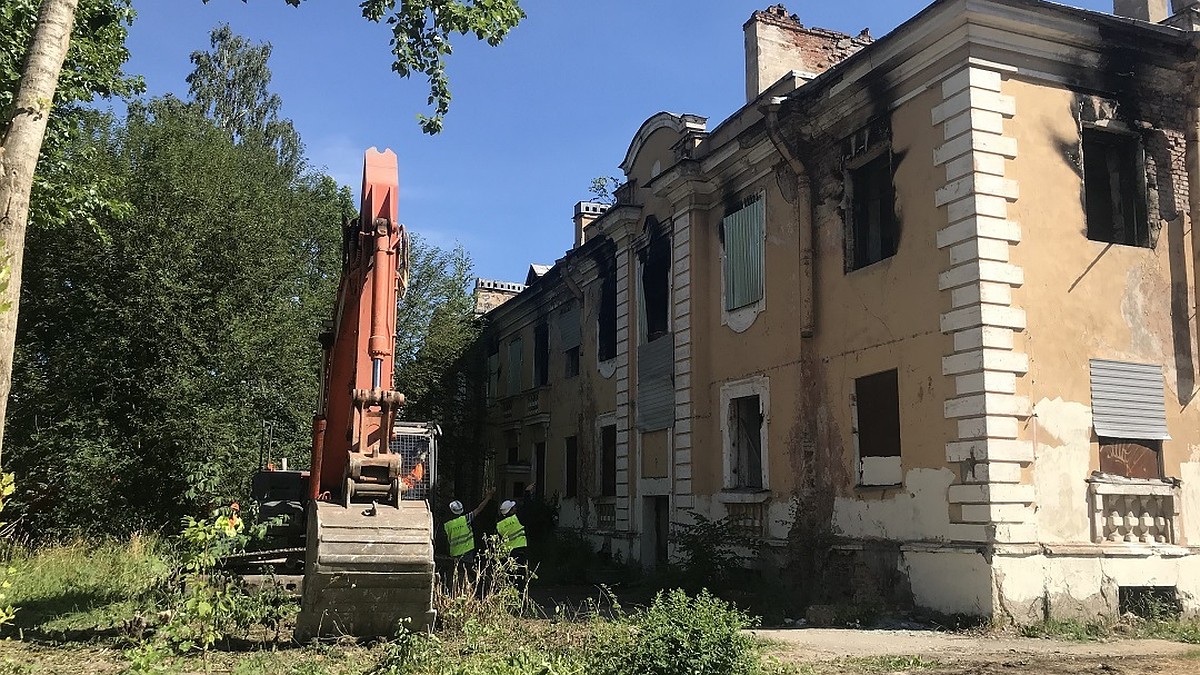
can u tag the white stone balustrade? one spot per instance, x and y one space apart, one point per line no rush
1133 511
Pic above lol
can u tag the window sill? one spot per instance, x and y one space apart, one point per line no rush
736 496
869 265
878 488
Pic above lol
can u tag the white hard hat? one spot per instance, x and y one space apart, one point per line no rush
456 507
507 506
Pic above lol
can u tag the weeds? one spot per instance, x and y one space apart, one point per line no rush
1160 627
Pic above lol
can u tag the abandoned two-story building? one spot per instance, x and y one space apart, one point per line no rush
927 302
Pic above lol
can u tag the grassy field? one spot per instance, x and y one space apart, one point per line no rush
104 608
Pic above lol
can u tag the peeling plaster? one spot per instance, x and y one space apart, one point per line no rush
919 512
1189 473
1062 462
950 581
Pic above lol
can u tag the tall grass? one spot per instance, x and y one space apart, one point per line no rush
85 586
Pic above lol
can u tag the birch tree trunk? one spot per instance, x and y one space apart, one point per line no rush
18 158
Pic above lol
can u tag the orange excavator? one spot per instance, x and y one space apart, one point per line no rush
369 532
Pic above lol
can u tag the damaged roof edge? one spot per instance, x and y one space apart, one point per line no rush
1168 37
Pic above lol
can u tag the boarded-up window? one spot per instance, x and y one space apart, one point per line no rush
541 355
516 356
874 229
571 362
607 319
608 461
570 467
1114 182
876 409
656 385
745 442
1130 417
743 233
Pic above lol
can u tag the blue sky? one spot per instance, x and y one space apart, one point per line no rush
531 122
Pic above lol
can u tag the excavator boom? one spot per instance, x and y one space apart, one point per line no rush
369 543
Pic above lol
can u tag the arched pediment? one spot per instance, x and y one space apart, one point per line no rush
680 124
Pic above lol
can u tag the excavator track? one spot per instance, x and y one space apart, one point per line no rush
365 574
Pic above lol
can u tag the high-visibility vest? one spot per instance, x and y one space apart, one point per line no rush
512 532
462 539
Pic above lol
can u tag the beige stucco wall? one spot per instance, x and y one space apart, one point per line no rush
881 317
1086 299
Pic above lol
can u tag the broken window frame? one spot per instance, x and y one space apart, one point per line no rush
746 442
1131 176
571 363
733 482
861 224
654 287
877 443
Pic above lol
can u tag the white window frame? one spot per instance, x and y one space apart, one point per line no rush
759 386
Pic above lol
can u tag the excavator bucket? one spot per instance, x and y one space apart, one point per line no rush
365 574
369 566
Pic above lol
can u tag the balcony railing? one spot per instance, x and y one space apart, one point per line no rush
1133 510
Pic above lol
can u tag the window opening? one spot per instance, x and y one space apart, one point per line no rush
608 461
875 232
541 355
877 424
571 363
656 285
571 465
745 434
608 317
1115 188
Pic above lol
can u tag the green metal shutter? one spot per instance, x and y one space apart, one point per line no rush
1128 400
743 264
568 328
656 384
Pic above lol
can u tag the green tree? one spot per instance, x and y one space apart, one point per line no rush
231 83
151 354
32 54
36 39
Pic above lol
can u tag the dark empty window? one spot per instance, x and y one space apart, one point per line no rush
608 317
656 285
541 355
874 231
745 439
1115 188
571 467
608 461
877 423
571 363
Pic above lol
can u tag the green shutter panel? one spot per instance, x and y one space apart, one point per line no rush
568 328
743 268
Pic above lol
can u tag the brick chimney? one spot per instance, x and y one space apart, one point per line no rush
1154 11
777 44
585 214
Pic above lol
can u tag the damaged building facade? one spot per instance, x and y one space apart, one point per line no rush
924 305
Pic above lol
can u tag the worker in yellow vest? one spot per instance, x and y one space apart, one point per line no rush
460 530
510 529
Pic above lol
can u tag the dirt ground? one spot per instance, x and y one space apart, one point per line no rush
847 652
810 651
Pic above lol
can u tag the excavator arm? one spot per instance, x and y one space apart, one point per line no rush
366 569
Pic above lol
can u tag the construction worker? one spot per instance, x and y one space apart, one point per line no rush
510 529
460 530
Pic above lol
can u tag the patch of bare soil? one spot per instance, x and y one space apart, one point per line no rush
852 652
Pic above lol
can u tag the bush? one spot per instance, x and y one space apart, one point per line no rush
680 635
712 552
